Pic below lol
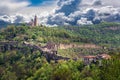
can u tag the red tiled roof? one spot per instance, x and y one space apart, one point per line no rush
105 56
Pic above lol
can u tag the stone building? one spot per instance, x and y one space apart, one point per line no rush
93 59
34 22
89 59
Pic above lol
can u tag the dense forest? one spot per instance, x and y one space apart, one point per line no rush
31 65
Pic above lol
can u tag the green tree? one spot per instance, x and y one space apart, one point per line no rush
9 76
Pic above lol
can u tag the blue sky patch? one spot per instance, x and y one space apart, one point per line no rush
38 2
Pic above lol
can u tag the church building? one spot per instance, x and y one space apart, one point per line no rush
34 22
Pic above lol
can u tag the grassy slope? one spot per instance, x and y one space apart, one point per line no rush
97 34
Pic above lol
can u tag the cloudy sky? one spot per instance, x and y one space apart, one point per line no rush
13 6
60 12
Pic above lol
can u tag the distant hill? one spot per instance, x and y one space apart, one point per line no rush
100 34
4 23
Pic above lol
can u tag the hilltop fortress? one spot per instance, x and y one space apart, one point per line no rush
34 22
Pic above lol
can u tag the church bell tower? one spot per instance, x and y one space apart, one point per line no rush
35 21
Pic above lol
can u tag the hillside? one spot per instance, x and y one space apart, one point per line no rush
104 35
101 34
21 62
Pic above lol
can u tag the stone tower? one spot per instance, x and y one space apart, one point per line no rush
35 21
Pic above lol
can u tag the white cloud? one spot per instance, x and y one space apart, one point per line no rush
10 6
79 12
83 21
114 3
